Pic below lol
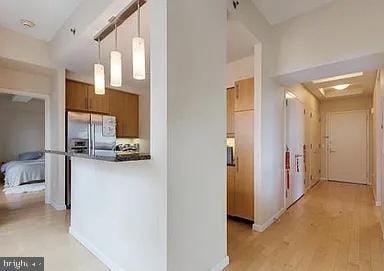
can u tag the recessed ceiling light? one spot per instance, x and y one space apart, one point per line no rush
289 95
341 87
27 23
340 77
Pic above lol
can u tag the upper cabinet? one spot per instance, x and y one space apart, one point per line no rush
230 111
125 106
76 96
98 103
244 95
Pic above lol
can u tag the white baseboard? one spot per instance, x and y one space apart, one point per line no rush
269 222
378 203
221 265
104 259
58 207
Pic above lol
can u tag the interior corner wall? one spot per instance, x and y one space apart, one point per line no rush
56 163
196 195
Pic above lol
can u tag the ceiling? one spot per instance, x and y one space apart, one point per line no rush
361 85
277 11
48 15
240 41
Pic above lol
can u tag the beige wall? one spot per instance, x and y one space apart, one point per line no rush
339 105
312 133
22 127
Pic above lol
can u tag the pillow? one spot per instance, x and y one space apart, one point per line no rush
30 155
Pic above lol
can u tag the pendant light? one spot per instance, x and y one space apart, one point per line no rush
99 75
138 51
116 66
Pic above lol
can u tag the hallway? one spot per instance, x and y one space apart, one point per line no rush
333 227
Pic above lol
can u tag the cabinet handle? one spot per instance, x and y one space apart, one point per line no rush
237 163
86 103
90 103
237 90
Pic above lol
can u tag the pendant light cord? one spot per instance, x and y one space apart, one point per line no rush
116 36
98 41
138 17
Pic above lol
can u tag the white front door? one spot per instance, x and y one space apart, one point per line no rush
348 147
295 148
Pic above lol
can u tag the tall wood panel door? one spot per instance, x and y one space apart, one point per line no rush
244 95
76 96
98 103
244 188
231 111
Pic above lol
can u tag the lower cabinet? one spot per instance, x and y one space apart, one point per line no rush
231 171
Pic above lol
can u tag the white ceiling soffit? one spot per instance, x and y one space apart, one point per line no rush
358 85
240 41
48 16
21 99
277 11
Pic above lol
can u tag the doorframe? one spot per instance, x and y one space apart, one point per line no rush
47 115
327 132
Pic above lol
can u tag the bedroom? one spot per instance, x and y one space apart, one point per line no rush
22 140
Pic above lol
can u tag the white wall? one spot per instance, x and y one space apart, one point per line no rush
22 127
240 69
196 135
330 40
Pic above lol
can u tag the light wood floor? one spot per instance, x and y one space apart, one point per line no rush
28 227
334 227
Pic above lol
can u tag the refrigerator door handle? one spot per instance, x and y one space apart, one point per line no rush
90 144
94 139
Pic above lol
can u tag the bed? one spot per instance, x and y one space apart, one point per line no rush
23 172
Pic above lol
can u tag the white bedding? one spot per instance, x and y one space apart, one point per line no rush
20 172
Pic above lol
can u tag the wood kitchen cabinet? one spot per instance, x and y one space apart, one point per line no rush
98 103
230 111
244 184
76 96
231 171
244 95
125 106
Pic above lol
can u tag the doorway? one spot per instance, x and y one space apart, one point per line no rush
347 146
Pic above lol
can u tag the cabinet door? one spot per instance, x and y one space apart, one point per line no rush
76 96
131 126
244 188
244 95
125 107
230 110
231 191
98 103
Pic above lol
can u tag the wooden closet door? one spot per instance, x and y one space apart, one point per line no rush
76 96
244 95
231 111
244 188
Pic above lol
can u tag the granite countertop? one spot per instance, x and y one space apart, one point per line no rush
118 157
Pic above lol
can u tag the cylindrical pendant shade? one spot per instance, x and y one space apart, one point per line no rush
99 78
138 58
116 69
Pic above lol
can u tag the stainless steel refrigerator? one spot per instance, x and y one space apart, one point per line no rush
90 134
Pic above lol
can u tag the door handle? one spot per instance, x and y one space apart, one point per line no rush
332 151
237 164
